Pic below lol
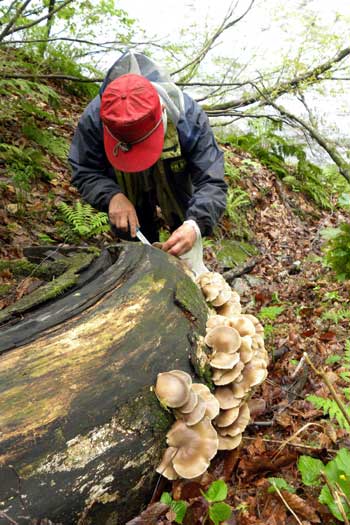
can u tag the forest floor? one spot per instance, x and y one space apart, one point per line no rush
303 309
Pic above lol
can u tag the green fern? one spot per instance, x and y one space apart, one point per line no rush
53 144
330 407
83 219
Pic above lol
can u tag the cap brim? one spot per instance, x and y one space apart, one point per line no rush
140 157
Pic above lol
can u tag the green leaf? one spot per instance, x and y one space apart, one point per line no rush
166 498
281 484
310 470
219 512
179 507
217 491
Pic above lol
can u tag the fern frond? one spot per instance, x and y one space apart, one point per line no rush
331 409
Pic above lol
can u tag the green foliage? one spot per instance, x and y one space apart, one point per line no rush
330 407
83 220
216 493
334 479
336 315
25 165
179 507
270 312
53 144
280 484
289 161
337 250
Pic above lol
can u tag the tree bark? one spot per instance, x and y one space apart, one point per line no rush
81 432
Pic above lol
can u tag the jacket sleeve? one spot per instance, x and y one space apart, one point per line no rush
206 165
92 174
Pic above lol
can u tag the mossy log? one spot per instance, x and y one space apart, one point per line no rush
81 432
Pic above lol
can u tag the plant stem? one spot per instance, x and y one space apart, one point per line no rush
320 372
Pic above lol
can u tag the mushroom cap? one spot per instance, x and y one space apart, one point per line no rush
223 377
211 292
223 297
240 389
172 390
258 341
210 278
227 417
183 375
228 442
230 308
223 339
191 403
217 320
165 467
195 416
226 398
243 325
254 373
212 404
246 349
224 361
196 445
259 329
239 425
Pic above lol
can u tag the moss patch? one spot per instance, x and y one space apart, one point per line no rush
231 253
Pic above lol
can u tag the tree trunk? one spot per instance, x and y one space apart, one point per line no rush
80 430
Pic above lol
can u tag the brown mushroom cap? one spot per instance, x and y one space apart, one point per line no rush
228 442
227 417
183 375
165 467
172 390
230 309
226 398
223 377
212 404
217 320
259 329
239 425
254 373
246 349
196 445
191 403
211 292
223 339
224 361
195 416
223 297
243 325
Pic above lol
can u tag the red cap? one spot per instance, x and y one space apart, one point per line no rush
133 131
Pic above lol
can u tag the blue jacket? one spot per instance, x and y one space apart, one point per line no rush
95 178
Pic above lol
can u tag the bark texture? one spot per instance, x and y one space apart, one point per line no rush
80 430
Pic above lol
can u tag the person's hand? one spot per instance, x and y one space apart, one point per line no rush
181 240
122 214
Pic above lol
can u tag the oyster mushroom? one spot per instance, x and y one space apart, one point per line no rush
172 390
243 325
246 349
223 297
191 403
224 361
212 404
195 416
217 320
165 467
228 442
225 377
227 417
226 398
195 445
239 425
223 339
230 309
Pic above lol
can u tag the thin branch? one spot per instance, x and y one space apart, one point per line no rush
320 372
7 30
286 504
313 75
38 20
226 24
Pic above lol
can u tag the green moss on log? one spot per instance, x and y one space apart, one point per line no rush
52 289
24 268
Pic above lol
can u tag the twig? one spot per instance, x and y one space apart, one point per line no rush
297 445
320 372
6 517
298 368
284 443
336 498
286 504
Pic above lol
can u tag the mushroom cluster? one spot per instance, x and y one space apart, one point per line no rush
207 422
192 440
238 358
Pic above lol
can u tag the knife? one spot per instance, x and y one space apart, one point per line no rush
141 237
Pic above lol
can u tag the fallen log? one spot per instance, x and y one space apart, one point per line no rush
80 430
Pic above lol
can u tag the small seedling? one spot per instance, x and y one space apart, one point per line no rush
216 493
179 507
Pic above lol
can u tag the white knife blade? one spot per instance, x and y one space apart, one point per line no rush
141 237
